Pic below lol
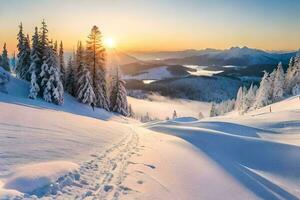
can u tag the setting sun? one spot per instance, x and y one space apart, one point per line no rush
109 43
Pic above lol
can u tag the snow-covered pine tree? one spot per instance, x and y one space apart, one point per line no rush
20 46
35 67
239 99
44 75
26 59
23 64
43 42
113 89
44 49
55 47
120 104
85 93
5 60
52 86
289 77
278 83
62 63
249 99
35 64
296 90
296 72
95 60
263 93
70 77
34 87
271 79
79 64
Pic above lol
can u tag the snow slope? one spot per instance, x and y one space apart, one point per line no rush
160 107
71 152
17 93
261 150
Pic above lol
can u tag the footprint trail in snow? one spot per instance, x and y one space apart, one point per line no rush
102 177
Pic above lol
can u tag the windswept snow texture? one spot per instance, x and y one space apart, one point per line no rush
31 178
259 150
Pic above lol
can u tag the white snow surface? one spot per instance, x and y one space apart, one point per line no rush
162 107
29 178
67 152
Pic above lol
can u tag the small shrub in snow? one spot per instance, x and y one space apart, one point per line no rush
296 90
4 76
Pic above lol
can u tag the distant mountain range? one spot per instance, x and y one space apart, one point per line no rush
235 56
212 57
248 61
251 61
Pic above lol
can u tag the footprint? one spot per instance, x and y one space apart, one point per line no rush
151 166
108 188
140 182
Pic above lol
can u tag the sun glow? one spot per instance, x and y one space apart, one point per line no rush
109 43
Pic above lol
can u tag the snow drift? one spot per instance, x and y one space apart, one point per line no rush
34 177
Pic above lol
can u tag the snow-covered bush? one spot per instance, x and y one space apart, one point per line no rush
4 78
200 115
222 108
296 90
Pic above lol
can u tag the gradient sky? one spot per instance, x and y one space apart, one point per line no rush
160 24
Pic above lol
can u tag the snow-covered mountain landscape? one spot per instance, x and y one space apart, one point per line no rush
149 100
52 152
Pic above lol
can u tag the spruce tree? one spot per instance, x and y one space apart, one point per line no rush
62 63
278 83
95 60
120 100
70 77
296 72
26 59
239 99
85 93
289 77
79 65
263 94
35 67
5 60
43 41
52 86
55 47
249 99
34 87
23 64
113 90
20 46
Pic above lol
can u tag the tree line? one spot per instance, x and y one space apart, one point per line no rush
41 62
273 87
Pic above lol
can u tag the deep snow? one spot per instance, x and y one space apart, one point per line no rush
71 152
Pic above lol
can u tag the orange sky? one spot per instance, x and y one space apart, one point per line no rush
140 25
